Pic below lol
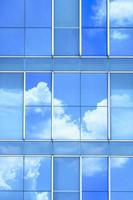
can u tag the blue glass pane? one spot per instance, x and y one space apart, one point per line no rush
93 89
67 89
121 174
94 123
38 41
121 195
11 105
66 42
120 38
70 15
122 90
66 174
11 41
38 89
37 196
94 42
11 173
94 174
94 148
37 148
66 196
12 13
121 123
37 173
95 196
121 13
38 123
11 195
38 13
93 13
66 123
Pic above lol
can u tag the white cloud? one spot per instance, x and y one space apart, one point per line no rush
38 95
42 196
119 162
119 35
9 168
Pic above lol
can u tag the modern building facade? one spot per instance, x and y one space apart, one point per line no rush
66 99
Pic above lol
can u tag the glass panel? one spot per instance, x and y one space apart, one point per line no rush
66 89
11 195
122 90
70 15
11 41
66 196
121 13
37 173
66 173
38 89
94 42
11 13
38 41
35 15
66 123
94 174
11 105
121 123
119 38
93 89
93 123
37 196
93 13
11 174
38 123
121 195
121 174
66 42
95 195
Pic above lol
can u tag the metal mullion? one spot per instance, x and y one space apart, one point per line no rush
80 27
109 108
24 107
80 177
53 5
109 178
52 178
52 117
108 29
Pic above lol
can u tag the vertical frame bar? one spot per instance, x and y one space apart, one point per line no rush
53 27
109 179
24 115
109 108
80 177
80 27
108 28
52 117
52 178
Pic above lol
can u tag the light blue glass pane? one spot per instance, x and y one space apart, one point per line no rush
38 123
38 89
11 13
66 13
93 13
38 13
95 196
66 42
121 195
121 13
94 42
11 195
66 196
121 123
11 41
120 38
94 123
11 105
121 174
94 148
11 148
122 90
66 173
121 148
37 148
37 196
37 173
38 41
11 170
67 89
94 174
93 89
66 123
66 147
